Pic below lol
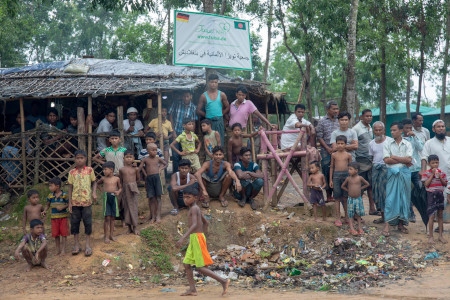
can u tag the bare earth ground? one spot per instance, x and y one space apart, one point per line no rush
85 277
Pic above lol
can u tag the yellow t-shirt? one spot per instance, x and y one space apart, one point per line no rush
166 126
81 186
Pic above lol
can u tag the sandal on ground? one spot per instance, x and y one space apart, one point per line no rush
205 204
403 230
361 232
75 251
385 233
174 212
242 202
224 203
338 223
378 221
353 232
375 213
88 251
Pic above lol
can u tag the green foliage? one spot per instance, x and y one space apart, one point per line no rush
157 248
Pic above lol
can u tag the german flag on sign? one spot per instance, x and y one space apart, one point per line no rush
182 17
239 25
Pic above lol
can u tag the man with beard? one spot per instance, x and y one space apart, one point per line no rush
325 127
439 145
421 132
379 169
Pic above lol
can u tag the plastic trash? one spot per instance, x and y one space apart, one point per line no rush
106 262
295 272
432 255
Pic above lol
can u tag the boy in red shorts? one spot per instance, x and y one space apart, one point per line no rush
58 201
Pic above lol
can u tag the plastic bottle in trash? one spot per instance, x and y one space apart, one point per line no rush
301 244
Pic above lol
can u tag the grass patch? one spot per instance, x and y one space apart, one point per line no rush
157 248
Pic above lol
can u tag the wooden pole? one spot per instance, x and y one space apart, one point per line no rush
24 150
120 123
81 129
89 150
160 133
278 115
252 139
273 167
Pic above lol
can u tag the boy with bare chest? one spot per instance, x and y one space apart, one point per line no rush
151 166
111 190
33 210
236 142
129 176
316 183
338 173
197 253
354 184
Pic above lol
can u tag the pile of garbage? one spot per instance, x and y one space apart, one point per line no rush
344 265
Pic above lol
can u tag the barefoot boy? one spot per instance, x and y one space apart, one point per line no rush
33 246
197 254
354 184
111 188
236 142
435 182
80 182
129 176
316 183
58 201
338 173
33 210
151 167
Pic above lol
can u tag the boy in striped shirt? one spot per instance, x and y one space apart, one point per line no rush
435 182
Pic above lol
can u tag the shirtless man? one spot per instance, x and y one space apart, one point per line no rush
111 190
338 173
129 176
215 177
33 210
151 167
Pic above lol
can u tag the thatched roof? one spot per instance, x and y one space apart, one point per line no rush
106 77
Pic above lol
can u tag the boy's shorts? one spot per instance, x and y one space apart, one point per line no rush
81 213
355 206
316 197
338 179
435 202
60 227
195 162
153 185
110 205
197 253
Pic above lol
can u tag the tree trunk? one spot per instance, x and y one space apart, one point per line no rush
269 40
383 84
408 86
422 60
208 6
350 98
223 7
444 69
309 106
168 56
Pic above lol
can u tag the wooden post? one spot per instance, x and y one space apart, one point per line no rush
273 168
24 150
89 150
120 123
252 139
278 115
267 106
81 129
160 134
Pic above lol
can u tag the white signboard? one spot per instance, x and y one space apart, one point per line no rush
207 40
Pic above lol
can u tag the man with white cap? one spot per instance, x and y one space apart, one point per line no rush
134 130
439 145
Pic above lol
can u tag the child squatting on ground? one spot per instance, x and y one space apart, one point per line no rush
111 190
33 246
353 185
151 167
58 201
197 253
317 183
435 182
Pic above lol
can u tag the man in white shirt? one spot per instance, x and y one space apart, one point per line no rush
134 127
421 132
397 155
296 122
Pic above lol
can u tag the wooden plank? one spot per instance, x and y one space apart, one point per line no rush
24 150
89 153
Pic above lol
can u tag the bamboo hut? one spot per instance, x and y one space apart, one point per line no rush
88 86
